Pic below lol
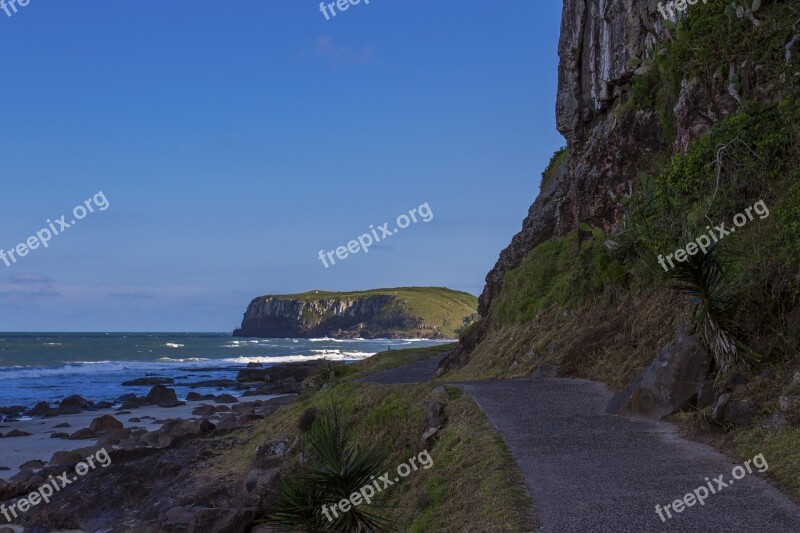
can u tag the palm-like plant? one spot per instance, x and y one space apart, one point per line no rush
338 469
703 279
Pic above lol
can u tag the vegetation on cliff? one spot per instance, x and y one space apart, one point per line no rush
594 302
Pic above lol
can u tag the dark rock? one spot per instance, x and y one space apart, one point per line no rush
61 425
102 405
74 401
718 414
65 458
255 365
705 396
40 409
59 435
126 397
134 403
175 430
17 433
105 423
735 380
171 403
204 410
135 419
123 412
436 415
160 393
296 372
23 476
219 383
258 483
740 412
149 381
670 383
226 398
730 411
36 464
83 434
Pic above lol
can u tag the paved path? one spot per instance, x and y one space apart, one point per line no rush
592 472
418 372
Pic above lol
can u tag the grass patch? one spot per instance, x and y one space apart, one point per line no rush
473 485
781 449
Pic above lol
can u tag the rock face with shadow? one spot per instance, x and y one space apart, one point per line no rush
673 381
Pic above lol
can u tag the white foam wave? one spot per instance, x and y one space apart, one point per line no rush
174 345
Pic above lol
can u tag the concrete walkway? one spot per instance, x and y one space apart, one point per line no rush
592 472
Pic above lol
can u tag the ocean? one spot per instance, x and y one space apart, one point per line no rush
51 366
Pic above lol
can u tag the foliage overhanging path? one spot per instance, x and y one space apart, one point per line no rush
589 471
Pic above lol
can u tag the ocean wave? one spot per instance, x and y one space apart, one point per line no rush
184 360
173 345
333 356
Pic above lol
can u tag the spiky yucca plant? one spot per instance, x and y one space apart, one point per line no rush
337 469
703 279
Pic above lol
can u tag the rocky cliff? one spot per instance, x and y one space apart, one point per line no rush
601 41
434 313
674 123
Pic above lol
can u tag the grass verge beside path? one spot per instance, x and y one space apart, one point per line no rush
473 485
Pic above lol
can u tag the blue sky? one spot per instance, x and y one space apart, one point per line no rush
236 140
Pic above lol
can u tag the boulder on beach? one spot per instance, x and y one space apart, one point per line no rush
148 381
160 393
105 423
36 464
64 458
226 398
132 402
74 401
17 433
83 434
40 409
204 410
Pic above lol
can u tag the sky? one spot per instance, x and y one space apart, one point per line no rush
229 143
